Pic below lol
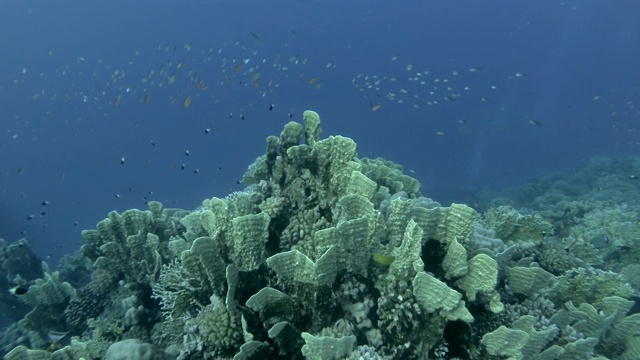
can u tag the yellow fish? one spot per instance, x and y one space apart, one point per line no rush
385 260
187 101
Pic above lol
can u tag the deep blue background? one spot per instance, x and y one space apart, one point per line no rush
578 61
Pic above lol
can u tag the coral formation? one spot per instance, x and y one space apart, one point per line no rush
328 256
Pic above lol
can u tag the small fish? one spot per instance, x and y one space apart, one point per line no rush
187 101
116 102
18 290
238 68
601 241
255 36
475 69
271 107
534 122
395 57
122 160
56 336
228 78
44 203
146 99
385 260
634 177
440 133
519 75
375 107
313 80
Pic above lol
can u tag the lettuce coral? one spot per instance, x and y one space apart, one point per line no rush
323 253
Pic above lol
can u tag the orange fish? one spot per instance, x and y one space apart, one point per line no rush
313 80
116 102
146 99
238 68
187 101
256 82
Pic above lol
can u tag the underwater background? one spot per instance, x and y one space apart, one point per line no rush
523 111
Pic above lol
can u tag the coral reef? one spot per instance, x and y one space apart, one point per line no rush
328 256
19 267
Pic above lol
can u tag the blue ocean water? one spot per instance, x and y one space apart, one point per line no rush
487 68
105 105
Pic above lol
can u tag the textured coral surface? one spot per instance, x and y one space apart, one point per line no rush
328 256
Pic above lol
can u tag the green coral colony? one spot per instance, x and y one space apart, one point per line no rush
327 256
